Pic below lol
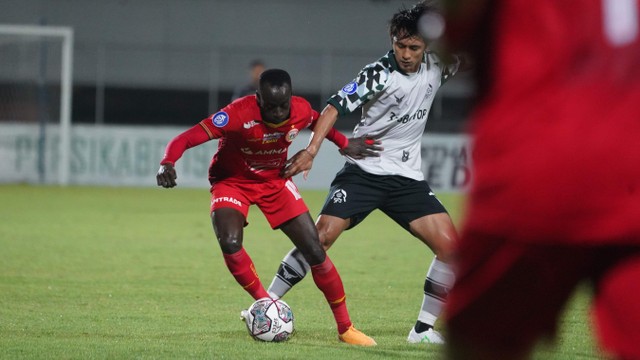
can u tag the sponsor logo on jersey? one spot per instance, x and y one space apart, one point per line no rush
220 119
264 164
228 199
248 151
419 114
339 196
291 134
250 124
350 88
271 137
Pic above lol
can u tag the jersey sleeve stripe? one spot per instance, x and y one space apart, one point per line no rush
206 129
336 104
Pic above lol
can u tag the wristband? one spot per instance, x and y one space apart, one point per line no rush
344 144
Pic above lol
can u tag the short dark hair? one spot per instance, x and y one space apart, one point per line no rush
275 77
404 23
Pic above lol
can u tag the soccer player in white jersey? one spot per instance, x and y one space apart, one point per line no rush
395 94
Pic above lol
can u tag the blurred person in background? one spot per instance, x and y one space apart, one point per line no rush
254 135
395 94
555 195
256 67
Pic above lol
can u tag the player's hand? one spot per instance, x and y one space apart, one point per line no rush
301 161
362 147
166 176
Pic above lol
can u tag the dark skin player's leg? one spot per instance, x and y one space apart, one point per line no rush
302 232
228 225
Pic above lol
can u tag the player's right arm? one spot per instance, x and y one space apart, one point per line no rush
371 80
198 134
303 159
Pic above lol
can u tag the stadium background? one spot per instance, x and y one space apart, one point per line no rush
101 272
169 63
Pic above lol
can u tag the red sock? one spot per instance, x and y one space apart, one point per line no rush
329 282
241 267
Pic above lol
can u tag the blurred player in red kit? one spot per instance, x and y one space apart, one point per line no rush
254 134
555 197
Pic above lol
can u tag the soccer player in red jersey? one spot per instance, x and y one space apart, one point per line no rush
254 134
555 196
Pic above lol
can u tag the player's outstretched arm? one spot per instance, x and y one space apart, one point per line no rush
166 176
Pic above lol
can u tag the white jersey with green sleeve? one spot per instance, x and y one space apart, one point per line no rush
394 106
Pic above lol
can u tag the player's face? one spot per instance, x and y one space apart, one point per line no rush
274 103
408 52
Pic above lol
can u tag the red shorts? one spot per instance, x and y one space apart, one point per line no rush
509 295
279 200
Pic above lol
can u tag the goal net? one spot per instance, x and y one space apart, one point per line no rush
35 103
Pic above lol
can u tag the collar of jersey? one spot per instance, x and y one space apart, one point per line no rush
275 126
393 63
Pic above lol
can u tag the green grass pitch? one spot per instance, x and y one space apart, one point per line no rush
124 273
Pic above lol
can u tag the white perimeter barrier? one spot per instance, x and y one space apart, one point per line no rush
129 156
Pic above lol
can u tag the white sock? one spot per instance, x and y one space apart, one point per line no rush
291 271
440 279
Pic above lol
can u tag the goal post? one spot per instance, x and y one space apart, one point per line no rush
17 34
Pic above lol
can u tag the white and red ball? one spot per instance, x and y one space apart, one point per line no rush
270 320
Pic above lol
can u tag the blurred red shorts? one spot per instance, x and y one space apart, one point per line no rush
509 295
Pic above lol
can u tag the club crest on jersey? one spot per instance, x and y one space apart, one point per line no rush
291 134
339 196
429 91
350 88
220 119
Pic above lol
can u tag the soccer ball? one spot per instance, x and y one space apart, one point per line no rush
269 320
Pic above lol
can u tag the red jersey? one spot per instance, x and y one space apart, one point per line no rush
556 151
249 149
